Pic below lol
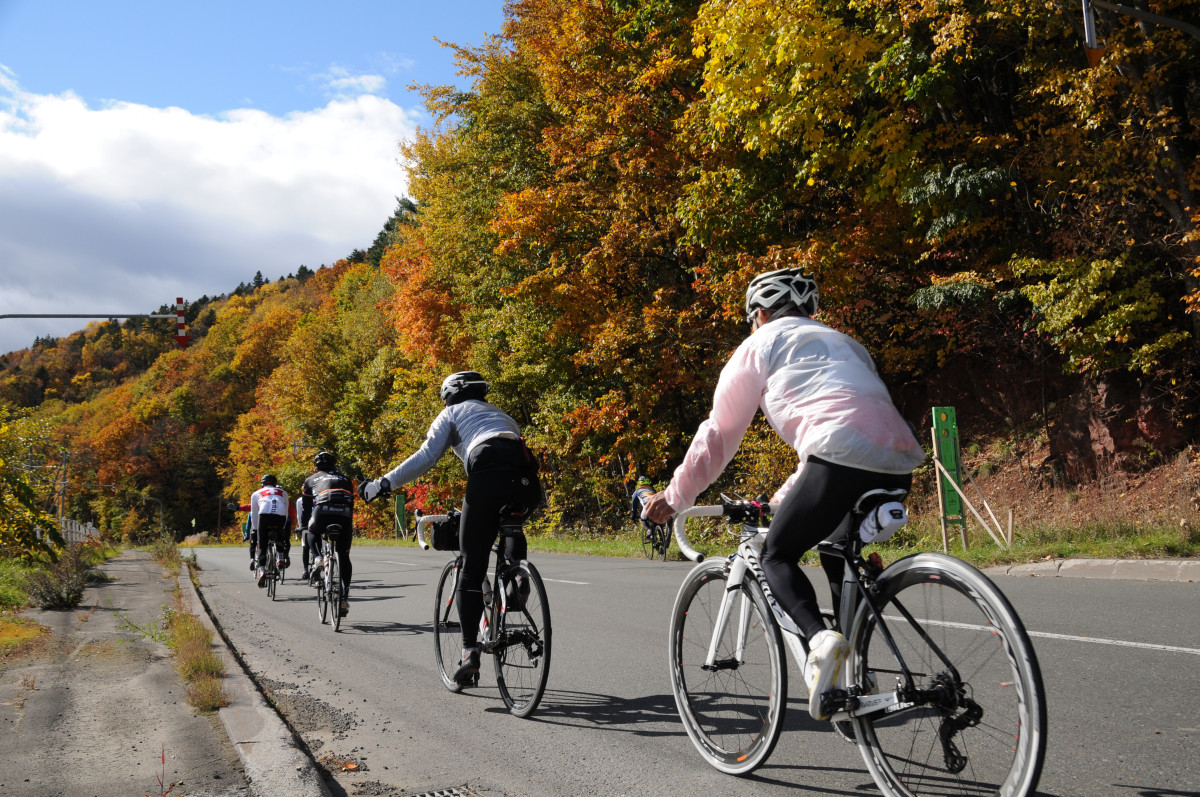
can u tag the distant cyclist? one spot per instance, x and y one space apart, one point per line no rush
819 391
328 499
640 495
500 470
269 508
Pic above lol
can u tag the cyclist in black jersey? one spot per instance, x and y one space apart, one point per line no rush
501 471
328 499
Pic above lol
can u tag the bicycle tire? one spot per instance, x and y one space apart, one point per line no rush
335 591
322 600
662 541
649 544
272 572
733 714
994 667
522 655
447 631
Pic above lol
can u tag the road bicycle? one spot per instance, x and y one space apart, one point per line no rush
655 540
274 572
941 690
329 578
515 627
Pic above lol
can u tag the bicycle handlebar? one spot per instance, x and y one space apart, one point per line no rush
730 509
681 535
422 522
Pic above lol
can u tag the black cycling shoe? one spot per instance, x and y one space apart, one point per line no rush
468 668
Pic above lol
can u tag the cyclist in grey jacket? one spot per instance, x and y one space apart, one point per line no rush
500 471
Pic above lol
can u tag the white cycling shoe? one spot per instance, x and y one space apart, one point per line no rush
826 653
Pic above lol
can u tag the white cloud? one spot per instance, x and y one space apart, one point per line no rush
339 82
123 208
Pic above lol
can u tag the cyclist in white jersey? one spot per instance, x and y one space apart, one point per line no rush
500 470
819 391
269 509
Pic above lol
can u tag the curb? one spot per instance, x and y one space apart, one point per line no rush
1179 570
275 766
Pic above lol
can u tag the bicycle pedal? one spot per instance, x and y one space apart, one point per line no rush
836 700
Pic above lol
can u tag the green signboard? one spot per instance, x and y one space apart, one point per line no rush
945 436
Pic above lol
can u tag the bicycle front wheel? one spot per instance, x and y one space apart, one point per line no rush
979 726
662 540
522 655
336 594
447 631
649 543
733 709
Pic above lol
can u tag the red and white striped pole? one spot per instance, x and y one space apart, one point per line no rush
181 335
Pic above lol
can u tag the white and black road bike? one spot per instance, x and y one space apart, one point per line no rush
941 690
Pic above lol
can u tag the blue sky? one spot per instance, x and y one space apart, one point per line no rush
152 150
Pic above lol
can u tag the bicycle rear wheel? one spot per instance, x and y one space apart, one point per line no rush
733 712
336 596
982 727
662 541
522 654
447 631
272 572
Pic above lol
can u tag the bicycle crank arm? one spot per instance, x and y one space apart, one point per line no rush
865 705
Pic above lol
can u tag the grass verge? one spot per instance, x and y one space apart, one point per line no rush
197 663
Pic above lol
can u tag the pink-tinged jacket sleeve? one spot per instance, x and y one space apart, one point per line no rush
742 382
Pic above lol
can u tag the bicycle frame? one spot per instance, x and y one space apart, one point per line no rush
854 594
496 608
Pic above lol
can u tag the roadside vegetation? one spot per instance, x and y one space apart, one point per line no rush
202 670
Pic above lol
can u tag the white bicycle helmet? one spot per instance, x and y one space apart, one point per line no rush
462 386
785 289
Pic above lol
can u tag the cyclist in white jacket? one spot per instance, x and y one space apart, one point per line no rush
819 390
500 470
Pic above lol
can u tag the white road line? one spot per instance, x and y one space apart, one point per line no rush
390 562
564 581
1068 637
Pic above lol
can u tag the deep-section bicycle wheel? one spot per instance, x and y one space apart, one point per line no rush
335 591
734 710
983 727
522 652
447 631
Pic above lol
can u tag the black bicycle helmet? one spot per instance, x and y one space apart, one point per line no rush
268 480
785 289
324 461
462 386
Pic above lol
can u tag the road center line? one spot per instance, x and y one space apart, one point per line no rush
564 581
1067 637
390 562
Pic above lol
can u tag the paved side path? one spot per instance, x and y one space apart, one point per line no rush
92 708
1131 569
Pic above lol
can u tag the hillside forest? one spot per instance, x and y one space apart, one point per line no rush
1007 221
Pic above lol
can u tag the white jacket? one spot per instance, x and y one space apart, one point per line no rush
818 389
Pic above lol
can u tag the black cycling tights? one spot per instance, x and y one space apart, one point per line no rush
487 492
811 511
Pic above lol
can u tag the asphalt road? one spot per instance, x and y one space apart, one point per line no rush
1120 660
